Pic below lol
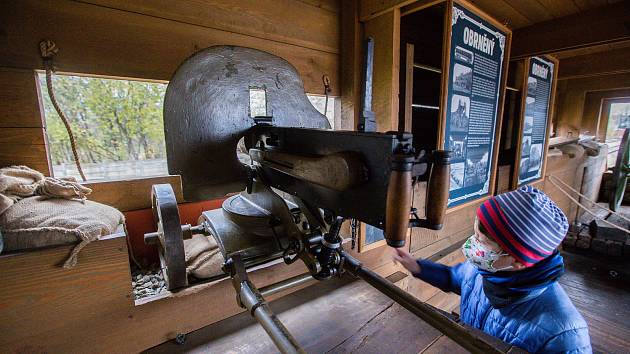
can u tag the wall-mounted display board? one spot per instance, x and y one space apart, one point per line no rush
477 56
537 100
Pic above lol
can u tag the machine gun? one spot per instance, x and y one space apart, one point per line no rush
298 182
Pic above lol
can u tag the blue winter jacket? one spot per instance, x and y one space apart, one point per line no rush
548 323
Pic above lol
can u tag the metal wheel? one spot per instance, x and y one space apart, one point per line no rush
170 236
620 173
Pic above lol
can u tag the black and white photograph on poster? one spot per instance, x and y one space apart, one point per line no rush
524 165
462 78
531 86
476 166
526 145
535 157
457 145
460 110
528 125
464 55
529 104
457 176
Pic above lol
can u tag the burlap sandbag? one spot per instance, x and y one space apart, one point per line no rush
17 182
40 221
203 258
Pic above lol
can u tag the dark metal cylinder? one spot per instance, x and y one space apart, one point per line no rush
254 302
462 335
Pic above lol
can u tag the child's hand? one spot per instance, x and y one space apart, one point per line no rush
402 256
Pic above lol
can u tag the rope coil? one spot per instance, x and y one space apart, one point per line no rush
48 50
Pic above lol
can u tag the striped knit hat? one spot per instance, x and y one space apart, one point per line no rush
525 223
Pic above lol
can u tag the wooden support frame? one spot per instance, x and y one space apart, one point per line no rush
408 99
550 111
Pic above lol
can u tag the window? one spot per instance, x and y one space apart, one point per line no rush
257 102
618 121
319 102
117 124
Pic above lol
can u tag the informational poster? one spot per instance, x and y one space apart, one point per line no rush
476 70
535 118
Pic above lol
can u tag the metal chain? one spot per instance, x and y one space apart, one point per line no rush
354 231
48 50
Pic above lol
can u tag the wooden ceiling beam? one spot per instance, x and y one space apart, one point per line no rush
603 63
607 24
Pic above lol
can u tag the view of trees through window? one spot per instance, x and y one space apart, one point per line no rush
117 124
618 121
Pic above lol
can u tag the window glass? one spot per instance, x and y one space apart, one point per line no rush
618 121
319 102
257 102
117 124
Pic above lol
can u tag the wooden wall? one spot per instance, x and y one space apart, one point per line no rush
588 75
385 30
22 138
594 119
147 40
571 97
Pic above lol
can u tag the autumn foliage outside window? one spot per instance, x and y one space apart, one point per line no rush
118 127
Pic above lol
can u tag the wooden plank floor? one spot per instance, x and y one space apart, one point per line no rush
337 316
344 315
599 286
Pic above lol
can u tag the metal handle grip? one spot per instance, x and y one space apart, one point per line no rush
398 203
438 189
